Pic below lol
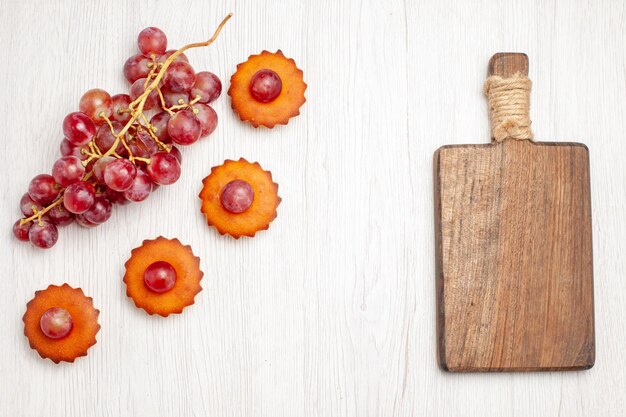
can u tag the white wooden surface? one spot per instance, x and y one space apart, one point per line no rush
332 311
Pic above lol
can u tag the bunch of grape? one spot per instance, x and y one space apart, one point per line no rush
118 149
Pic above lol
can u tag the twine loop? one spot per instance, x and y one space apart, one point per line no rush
509 106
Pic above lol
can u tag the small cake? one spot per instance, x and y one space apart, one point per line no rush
61 323
267 89
239 198
163 276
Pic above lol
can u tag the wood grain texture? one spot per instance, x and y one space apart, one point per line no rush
507 64
332 311
514 264
514 257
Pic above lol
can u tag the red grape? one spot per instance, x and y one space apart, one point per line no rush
105 138
79 197
207 86
56 323
137 89
20 231
207 117
237 196
119 178
99 166
138 149
119 174
27 204
159 122
43 235
167 54
184 127
152 41
176 152
66 147
142 146
141 188
265 85
78 128
59 216
179 77
43 190
119 103
100 211
173 99
136 67
143 138
160 276
83 222
116 197
90 165
69 149
68 170
94 102
164 168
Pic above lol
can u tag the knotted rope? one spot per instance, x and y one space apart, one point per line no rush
509 105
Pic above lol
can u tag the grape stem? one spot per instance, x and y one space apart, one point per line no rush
163 106
182 105
135 108
39 213
151 129
153 70
132 158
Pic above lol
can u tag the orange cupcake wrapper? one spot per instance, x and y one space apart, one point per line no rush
85 323
261 212
188 276
281 109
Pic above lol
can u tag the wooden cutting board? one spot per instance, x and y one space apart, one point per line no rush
514 253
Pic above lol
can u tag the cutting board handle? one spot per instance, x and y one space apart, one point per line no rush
508 91
507 64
